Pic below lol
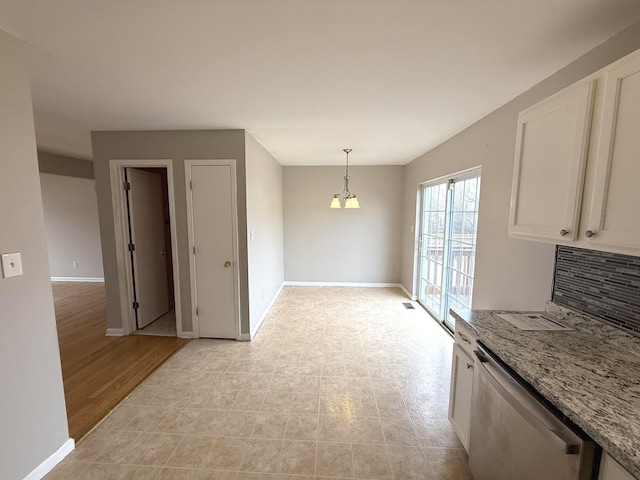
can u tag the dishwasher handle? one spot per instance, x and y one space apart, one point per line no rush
563 438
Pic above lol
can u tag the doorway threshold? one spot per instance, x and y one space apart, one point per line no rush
164 326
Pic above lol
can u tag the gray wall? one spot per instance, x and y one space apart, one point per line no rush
331 245
71 223
509 273
33 419
177 146
62 165
265 220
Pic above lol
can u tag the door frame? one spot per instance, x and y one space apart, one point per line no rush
188 163
457 176
121 224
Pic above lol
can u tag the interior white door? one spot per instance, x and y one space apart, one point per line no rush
147 235
212 229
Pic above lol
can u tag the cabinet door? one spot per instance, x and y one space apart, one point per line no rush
614 217
611 470
460 394
551 153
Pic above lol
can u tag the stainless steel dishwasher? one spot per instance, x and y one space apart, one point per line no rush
515 437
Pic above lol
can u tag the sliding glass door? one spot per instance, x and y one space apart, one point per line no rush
447 244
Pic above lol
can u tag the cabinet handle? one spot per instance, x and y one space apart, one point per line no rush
564 232
464 338
469 365
589 233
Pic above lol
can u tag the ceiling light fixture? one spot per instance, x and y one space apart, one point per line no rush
350 199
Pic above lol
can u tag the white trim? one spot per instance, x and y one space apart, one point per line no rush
125 284
188 163
244 337
123 261
254 330
50 462
406 292
457 176
115 332
417 229
341 284
77 279
186 334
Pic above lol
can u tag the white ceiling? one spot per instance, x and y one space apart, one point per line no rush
390 79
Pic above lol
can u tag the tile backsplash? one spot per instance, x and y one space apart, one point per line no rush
600 284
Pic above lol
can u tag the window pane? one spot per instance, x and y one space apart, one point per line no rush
448 237
462 244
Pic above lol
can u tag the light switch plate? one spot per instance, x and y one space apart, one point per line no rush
11 265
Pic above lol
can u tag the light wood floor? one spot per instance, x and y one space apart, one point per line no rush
99 371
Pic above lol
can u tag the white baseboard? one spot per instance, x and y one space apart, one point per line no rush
244 337
77 279
115 332
187 335
342 284
254 330
54 459
406 292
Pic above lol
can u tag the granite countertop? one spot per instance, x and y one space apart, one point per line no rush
591 374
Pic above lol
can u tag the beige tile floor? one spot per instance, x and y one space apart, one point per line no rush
340 382
165 326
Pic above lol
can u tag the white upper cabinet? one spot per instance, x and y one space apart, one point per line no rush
577 164
551 156
614 216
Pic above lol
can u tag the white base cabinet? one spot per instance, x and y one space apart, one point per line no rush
612 470
460 394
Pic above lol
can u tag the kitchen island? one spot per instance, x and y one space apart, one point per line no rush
591 373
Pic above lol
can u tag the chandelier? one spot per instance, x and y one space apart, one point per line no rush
350 199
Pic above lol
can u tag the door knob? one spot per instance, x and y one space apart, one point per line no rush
227 264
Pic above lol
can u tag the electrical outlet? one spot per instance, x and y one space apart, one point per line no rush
75 264
11 265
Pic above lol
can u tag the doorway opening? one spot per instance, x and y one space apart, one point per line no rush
144 209
447 244
150 251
